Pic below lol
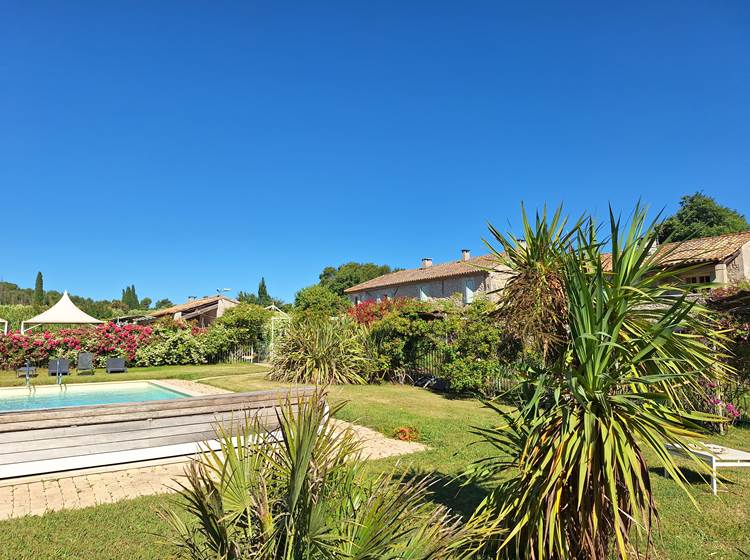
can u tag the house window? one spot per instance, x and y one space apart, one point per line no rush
356 300
469 290
422 294
698 281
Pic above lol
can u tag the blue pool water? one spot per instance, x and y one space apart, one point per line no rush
82 394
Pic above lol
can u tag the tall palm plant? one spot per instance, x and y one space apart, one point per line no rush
533 299
636 346
301 494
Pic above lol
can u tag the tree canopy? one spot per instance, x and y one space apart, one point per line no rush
350 274
700 216
262 297
319 300
163 304
130 298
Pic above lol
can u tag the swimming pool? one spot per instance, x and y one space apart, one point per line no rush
83 394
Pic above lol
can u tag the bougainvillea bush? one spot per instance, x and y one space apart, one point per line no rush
104 341
166 343
369 311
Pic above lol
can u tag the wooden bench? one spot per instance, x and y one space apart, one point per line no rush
53 440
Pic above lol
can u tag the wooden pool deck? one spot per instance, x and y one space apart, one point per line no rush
53 440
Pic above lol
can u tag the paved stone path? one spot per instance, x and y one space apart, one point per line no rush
78 489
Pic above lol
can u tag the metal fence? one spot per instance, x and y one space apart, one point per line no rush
429 362
241 353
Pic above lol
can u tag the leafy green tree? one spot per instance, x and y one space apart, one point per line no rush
319 300
700 216
39 290
248 321
163 304
247 297
145 303
350 274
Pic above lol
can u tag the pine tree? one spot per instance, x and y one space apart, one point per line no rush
263 298
39 290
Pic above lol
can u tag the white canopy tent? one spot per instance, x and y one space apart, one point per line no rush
64 312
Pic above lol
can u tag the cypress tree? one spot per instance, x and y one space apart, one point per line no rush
39 290
263 298
129 297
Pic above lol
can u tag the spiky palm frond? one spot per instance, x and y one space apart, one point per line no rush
322 351
532 303
301 493
637 345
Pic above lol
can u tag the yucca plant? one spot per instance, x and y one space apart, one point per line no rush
322 351
635 346
533 301
301 494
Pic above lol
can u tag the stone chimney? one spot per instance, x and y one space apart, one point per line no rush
426 262
465 254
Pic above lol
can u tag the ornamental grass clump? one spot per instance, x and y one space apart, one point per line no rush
625 358
303 493
322 351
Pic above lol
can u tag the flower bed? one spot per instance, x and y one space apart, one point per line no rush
107 340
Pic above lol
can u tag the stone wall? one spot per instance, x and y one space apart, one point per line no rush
738 269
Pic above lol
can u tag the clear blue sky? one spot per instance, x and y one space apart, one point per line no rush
187 146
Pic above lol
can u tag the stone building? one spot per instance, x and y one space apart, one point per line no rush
722 259
469 277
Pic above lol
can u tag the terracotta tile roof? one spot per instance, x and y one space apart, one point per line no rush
703 249
190 305
434 272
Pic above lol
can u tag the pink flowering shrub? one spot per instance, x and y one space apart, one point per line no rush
106 340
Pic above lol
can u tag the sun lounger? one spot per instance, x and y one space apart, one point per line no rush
116 365
22 371
716 456
60 366
85 364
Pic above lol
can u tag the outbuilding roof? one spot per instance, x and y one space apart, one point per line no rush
704 249
191 305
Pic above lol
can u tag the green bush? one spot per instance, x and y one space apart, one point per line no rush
183 346
317 300
403 335
14 314
169 347
468 374
322 351
250 323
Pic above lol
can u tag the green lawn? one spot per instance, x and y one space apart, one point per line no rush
10 379
130 529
